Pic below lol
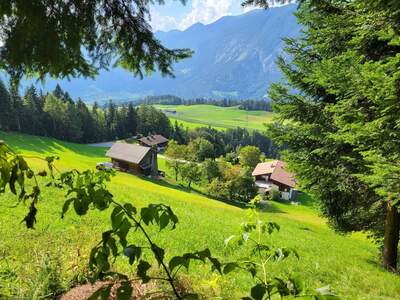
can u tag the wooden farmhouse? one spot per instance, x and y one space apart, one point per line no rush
270 175
134 158
154 141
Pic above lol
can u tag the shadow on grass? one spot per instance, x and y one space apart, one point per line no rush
269 208
376 263
306 200
45 146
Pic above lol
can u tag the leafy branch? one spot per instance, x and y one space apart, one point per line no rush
261 255
88 190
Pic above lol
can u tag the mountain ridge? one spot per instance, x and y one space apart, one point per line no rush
234 57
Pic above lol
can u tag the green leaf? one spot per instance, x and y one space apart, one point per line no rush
123 230
112 243
258 291
142 269
102 293
23 166
13 179
81 206
272 226
178 261
159 253
229 267
282 287
216 264
133 253
130 208
147 215
116 217
66 206
124 292
164 220
298 285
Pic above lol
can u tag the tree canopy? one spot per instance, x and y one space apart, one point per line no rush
342 101
72 38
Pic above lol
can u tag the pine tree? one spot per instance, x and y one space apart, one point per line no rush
5 108
131 120
342 102
17 108
58 92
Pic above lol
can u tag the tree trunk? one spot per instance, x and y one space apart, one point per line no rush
391 239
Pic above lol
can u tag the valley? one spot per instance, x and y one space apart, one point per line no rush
199 149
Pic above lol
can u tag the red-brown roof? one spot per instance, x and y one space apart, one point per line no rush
277 171
264 168
152 140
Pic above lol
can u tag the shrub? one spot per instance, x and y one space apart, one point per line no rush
275 194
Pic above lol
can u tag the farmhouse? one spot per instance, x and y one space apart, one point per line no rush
154 140
134 158
271 175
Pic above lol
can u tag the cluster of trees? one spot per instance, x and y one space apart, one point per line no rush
341 104
57 115
223 178
224 143
242 104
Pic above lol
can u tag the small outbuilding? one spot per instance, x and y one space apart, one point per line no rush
156 140
134 158
269 175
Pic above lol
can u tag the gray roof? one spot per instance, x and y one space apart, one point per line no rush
152 140
128 152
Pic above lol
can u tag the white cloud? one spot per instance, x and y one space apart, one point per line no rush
271 3
279 3
162 22
206 11
203 11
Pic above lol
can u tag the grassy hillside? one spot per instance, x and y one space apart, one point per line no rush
56 251
218 117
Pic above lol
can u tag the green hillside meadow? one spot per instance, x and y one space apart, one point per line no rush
56 252
218 117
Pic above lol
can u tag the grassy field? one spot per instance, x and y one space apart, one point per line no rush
219 117
53 256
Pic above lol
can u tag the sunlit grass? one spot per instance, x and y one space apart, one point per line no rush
350 264
193 116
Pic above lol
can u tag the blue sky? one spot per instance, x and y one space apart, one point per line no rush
174 15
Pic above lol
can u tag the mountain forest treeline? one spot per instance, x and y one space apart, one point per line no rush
247 104
57 115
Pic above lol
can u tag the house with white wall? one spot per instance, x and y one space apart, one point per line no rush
273 175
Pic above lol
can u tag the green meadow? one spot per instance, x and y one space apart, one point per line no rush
192 116
37 263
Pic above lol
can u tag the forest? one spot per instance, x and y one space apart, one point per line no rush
57 115
245 104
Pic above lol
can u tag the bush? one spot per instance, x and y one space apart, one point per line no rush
218 190
275 194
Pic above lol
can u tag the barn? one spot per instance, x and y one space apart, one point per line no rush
154 141
134 159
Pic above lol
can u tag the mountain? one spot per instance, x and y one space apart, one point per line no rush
233 57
